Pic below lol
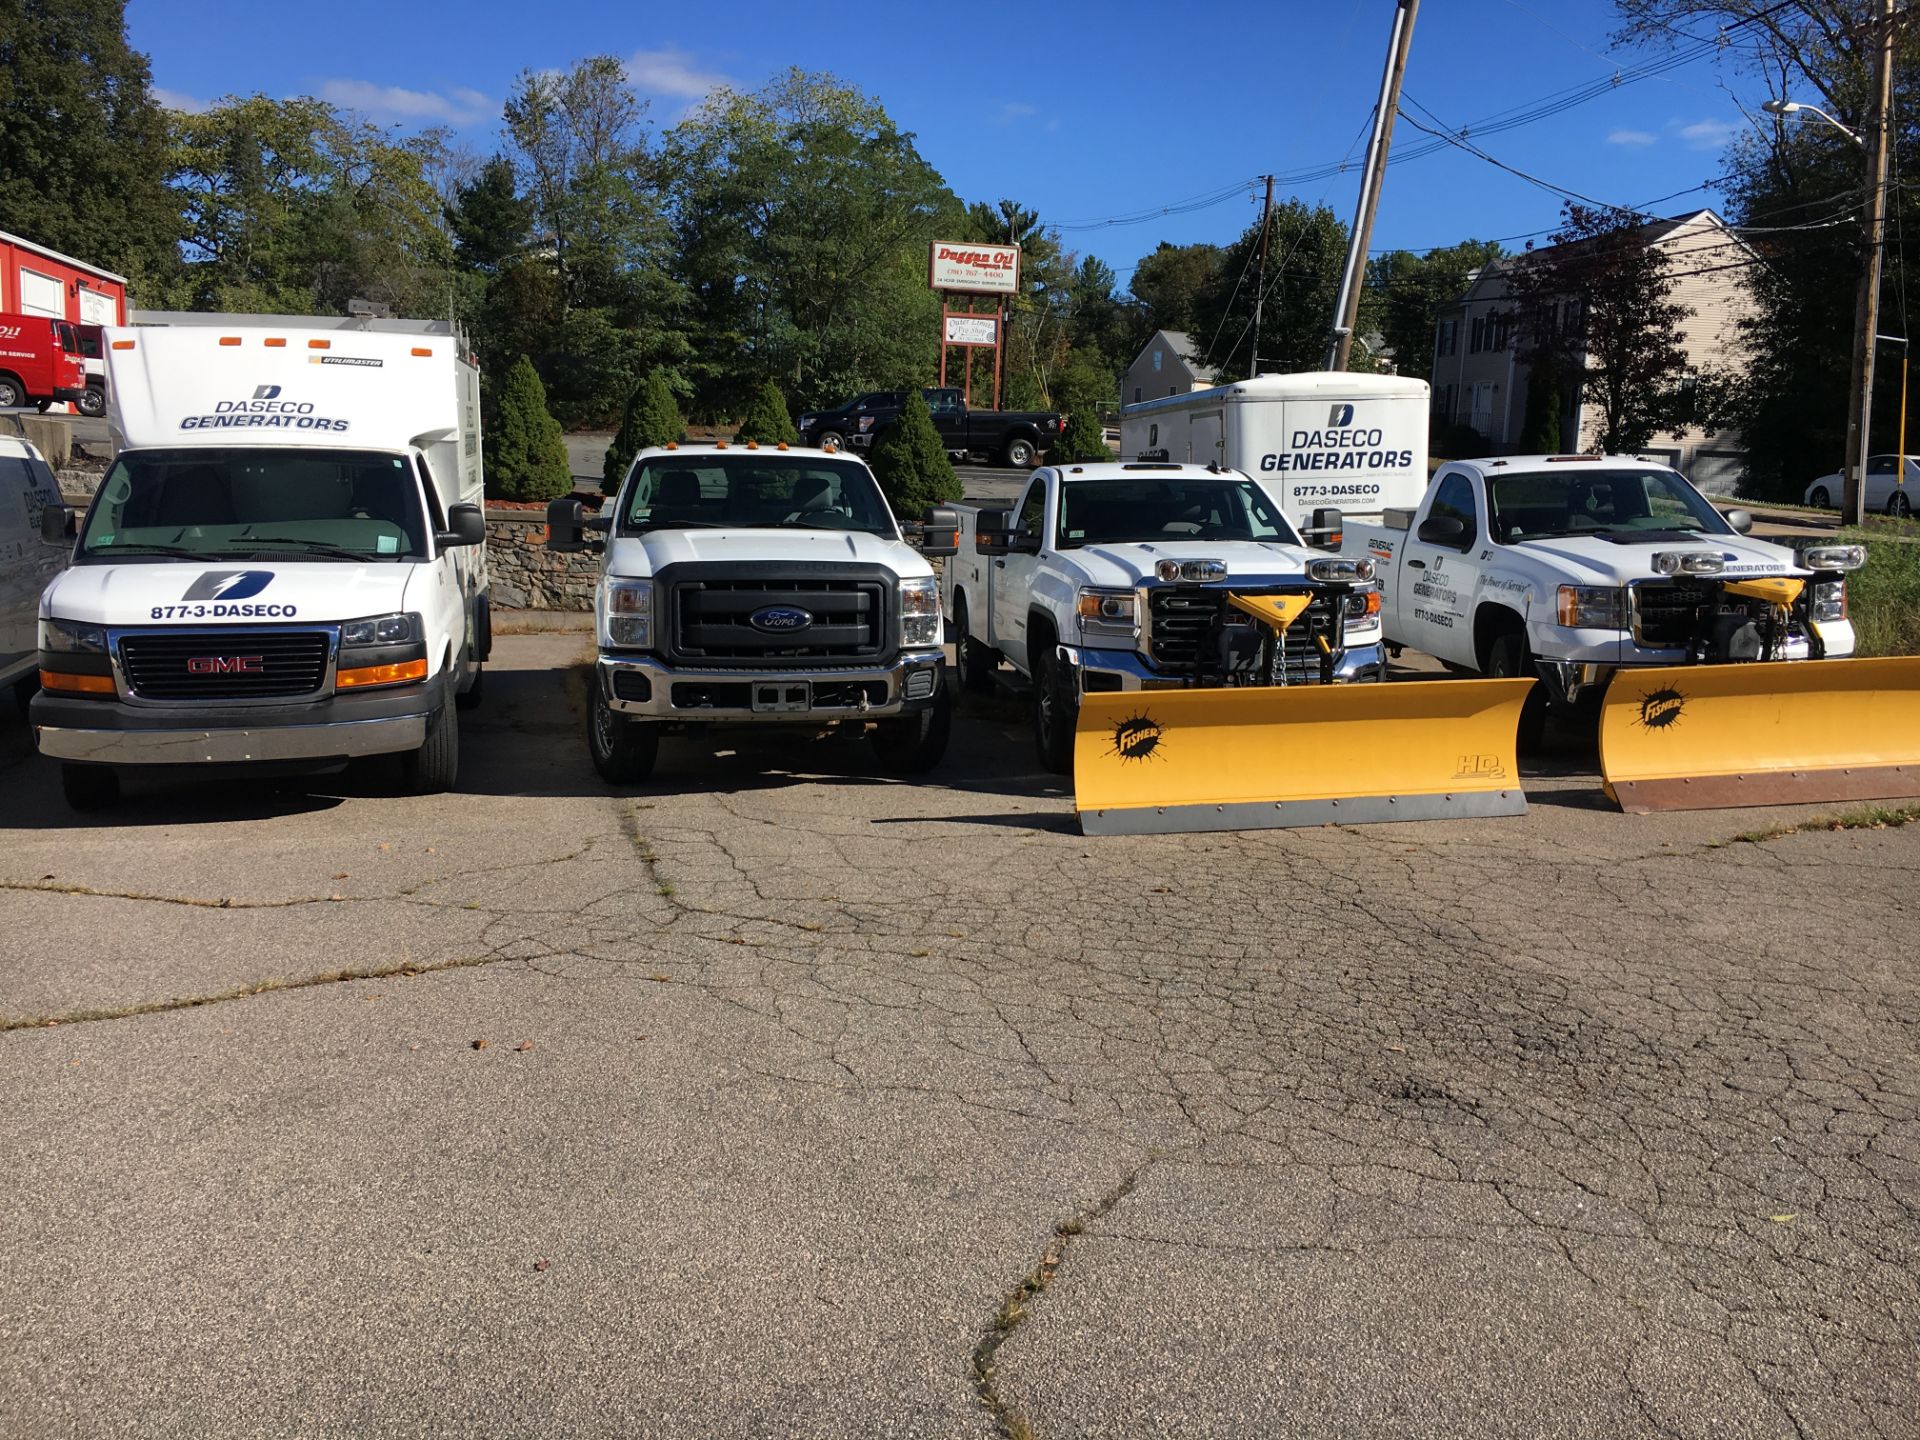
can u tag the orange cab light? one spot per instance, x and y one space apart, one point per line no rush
381 674
421 350
319 344
753 444
275 342
76 684
673 444
782 445
719 444
123 344
229 339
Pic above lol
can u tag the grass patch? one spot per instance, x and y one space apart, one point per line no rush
1870 817
1883 597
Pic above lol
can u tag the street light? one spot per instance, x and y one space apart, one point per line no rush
1794 107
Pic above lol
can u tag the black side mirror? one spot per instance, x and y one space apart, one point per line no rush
940 532
1327 529
1022 542
991 530
1441 530
466 525
566 525
56 524
1740 520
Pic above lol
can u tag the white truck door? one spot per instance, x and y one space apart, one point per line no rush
1437 579
1206 440
1013 577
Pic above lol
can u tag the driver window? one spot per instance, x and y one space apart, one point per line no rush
1454 500
1033 509
1880 465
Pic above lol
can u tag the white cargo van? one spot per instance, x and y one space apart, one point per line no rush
1318 440
285 561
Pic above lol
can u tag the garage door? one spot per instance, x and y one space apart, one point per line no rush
98 309
41 295
1718 472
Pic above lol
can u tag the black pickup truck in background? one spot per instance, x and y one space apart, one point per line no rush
1006 437
836 426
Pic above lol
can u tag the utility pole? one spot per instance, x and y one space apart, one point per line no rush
1867 309
1260 279
1346 310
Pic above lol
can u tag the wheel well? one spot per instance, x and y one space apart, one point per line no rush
9 375
1490 622
1040 630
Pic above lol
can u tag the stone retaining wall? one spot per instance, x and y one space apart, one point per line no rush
525 575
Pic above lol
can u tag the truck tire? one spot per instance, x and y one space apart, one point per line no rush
623 750
1508 659
832 440
1055 711
914 744
470 698
1019 453
12 393
1898 505
433 768
94 403
89 787
975 660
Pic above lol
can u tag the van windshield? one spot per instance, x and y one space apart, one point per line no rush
1121 512
255 503
1553 504
763 490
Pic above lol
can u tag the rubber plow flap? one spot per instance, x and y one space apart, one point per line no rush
1787 732
1264 757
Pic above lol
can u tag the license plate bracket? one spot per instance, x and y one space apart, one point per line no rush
781 697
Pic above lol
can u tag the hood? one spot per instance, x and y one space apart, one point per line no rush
1602 562
1262 561
638 556
238 593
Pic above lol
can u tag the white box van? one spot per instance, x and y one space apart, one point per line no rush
286 560
1322 439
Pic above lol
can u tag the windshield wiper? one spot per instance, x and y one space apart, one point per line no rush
680 525
147 549
316 547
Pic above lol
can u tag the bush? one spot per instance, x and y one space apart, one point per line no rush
766 419
1883 597
652 418
910 461
1085 386
1083 439
526 457
1459 442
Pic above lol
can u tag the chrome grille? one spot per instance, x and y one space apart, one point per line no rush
1180 618
235 664
711 620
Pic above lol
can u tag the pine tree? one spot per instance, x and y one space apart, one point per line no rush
766 419
910 461
652 418
526 456
1540 422
1083 439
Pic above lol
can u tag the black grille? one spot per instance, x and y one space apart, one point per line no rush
1183 618
711 620
1668 616
224 664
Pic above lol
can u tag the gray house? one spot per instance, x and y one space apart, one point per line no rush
1170 365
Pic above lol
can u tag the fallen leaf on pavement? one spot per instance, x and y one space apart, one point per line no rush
541 1264
479 1044
524 1045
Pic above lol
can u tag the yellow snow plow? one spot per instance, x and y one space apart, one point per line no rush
1708 737
1259 757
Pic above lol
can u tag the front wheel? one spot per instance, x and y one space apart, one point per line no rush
1019 454
1819 499
470 698
1509 660
1056 710
623 750
433 768
914 744
93 404
10 393
1898 505
833 440
89 787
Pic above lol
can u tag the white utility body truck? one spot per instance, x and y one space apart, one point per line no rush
1318 440
285 561
760 585
1571 566
1116 576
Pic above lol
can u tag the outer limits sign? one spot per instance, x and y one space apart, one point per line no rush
973 268
972 329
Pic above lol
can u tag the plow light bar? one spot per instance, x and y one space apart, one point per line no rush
1196 570
1687 562
1339 569
1834 557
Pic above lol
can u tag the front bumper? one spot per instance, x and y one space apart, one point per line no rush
109 732
1132 672
648 688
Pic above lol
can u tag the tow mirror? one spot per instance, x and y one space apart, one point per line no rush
566 525
1022 542
1327 530
1441 530
1740 520
991 530
466 525
940 532
56 524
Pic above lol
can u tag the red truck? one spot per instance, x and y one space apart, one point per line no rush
40 362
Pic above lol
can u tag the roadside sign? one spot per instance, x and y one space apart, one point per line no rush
971 268
973 330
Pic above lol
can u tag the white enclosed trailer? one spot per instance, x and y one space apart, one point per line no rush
1356 443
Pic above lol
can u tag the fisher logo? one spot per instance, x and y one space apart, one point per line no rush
226 665
1481 767
1661 709
781 619
1340 417
1137 737
228 585
266 392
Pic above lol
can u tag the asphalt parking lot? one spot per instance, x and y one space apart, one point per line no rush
780 1098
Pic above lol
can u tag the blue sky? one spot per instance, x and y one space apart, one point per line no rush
1083 112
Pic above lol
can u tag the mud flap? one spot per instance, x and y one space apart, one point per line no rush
1272 757
1785 732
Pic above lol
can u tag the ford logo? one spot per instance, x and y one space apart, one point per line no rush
780 619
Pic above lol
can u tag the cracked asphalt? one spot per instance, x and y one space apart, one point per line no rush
779 1098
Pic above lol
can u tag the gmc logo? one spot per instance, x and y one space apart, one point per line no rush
227 665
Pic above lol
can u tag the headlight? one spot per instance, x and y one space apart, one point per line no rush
1199 571
1834 557
1593 607
1108 612
626 614
1363 611
1687 562
71 637
920 611
1337 569
382 630
1830 600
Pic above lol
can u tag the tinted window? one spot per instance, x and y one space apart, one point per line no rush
1033 510
1454 501
748 490
1880 465
1112 512
1541 504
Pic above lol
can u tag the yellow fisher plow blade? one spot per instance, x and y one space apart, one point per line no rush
1707 737
1265 757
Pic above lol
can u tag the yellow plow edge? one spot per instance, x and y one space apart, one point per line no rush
1266 757
1707 737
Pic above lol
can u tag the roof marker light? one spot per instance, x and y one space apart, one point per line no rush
123 344
319 344
422 350
275 342
229 339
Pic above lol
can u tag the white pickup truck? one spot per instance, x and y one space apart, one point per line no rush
760 585
1116 576
1571 566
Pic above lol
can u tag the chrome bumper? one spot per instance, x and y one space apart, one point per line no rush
342 740
1357 663
906 693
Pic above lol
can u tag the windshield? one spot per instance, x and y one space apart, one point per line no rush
1118 512
1541 504
325 504
754 490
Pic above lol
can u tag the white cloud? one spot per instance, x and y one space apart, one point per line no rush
1013 110
1630 137
393 102
179 100
672 71
1709 134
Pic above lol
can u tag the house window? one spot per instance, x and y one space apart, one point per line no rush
1156 359
1172 390
1136 394
1474 345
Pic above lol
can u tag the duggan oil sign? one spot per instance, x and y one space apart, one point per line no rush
972 268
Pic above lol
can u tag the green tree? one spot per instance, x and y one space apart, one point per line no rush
766 420
1307 250
1408 290
652 418
526 456
1169 283
489 219
910 461
1540 422
82 144
1086 388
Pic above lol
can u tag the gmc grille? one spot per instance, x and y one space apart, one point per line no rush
1181 617
711 620
225 664
1668 614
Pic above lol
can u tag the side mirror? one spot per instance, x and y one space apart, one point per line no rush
566 525
1441 530
940 532
991 530
466 525
1741 520
1327 530
1022 542
56 524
